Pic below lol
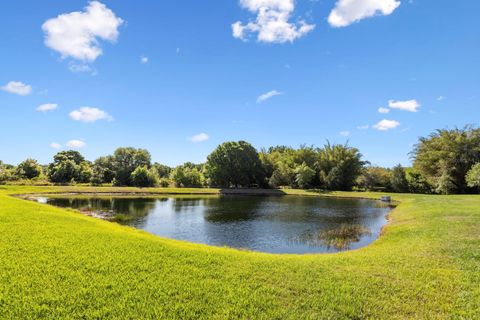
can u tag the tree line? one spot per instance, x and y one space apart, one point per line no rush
445 162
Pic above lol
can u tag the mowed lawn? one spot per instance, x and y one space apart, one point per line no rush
59 264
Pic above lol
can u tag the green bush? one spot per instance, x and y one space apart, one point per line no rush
473 176
29 169
143 177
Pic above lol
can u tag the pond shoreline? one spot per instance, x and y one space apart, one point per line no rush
315 212
117 191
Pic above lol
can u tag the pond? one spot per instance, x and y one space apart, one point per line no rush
287 224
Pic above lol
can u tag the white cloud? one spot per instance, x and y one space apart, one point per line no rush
82 67
345 133
47 107
143 59
17 87
383 110
76 144
88 114
268 95
272 23
385 125
409 105
364 127
201 137
347 12
55 145
441 98
77 34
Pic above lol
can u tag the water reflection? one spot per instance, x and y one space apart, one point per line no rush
340 237
287 224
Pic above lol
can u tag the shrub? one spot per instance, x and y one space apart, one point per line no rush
304 176
29 169
398 179
143 177
473 176
187 177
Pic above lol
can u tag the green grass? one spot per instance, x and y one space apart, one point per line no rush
58 264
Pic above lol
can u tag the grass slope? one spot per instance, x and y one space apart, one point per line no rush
58 264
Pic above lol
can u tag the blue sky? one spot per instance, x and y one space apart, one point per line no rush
180 77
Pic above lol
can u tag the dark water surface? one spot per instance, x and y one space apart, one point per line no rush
289 224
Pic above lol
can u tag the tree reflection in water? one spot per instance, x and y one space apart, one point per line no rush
340 238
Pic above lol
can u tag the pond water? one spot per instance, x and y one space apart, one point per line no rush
288 224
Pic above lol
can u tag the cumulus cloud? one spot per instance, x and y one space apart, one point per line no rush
201 137
383 110
441 98
17 87
76 144
363 127
347 12
268 95
47 107
272 23
408 105
385 125
88 114
345 133
55 145
77 34
143 59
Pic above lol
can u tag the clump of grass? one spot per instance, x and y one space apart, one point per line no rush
341 238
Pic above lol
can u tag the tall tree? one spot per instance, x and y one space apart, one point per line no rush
68 166
126 160
29 169
304 176
162 170
104 170
339 166
398 179
417 183
235 164
446 156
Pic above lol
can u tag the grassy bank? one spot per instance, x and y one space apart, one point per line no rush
56 263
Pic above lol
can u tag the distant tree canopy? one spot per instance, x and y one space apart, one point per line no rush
417 183
143 177
304 176
375 179
5 173
331 167
446 162
398 180
28 169
69 166
445 157
125 161
235 164
339 166
163 171
103 170
187 176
